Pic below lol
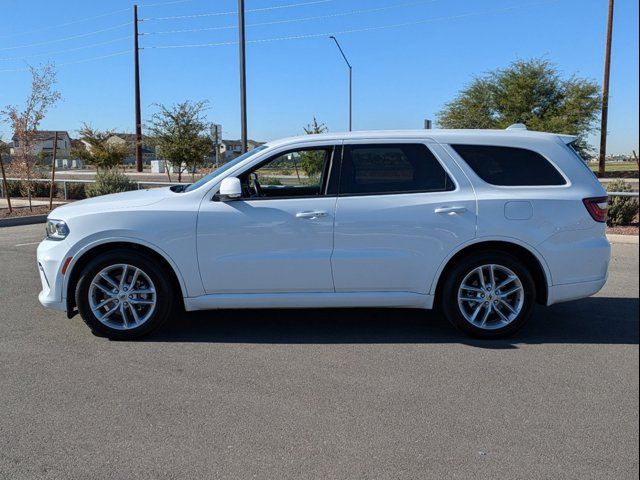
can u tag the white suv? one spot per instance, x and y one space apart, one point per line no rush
482 224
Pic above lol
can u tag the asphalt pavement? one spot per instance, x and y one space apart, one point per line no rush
304 394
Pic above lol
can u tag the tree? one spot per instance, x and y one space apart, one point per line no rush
99 152
4 149
312 161
25 122
180 133
530 92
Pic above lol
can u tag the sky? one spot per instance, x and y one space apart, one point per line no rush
409 58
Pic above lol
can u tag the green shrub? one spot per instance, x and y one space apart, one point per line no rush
110 181
270 181
75 191
19 188
622 210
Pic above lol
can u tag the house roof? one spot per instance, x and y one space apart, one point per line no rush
46 134
239 142
129 137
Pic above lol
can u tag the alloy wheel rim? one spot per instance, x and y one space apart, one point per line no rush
122 296
491 297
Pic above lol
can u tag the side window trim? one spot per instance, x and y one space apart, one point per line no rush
449 177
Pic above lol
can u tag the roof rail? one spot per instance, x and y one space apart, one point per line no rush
517 126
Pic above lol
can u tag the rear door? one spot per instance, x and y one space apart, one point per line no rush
402 207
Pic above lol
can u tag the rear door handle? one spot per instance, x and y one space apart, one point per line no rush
311 215
450 210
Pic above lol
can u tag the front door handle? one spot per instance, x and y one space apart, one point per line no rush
450 210
311 215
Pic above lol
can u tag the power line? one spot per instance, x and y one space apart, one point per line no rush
66 24
58 52
100 57
160 4
358 30
64 39
294 20
216 14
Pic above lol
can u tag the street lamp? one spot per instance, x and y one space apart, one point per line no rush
350 76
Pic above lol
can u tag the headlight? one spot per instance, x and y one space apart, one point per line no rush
57 229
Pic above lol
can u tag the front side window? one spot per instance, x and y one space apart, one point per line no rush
298 173
224 168
391 168
509 166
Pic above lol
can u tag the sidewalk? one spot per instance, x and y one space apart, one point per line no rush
22 202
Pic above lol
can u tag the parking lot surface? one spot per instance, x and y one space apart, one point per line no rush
303 394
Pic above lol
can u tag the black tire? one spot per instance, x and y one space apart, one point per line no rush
453 311
156 273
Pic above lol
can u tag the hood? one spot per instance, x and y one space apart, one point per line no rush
112 202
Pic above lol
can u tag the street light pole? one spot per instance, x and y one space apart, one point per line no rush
350 80
243 77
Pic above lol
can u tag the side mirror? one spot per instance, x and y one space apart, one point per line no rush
230 189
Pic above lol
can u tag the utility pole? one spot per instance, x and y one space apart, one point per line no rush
350 81
53 169
136 68
4 183
243 77
605 94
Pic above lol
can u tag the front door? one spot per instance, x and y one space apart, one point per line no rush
400 212
278 237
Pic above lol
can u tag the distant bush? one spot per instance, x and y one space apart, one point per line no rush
19 188
622 210
110 181
270 181
75 191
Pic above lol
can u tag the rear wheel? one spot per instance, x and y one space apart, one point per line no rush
489 295
123 295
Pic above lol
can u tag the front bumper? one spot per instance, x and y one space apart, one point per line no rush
50 256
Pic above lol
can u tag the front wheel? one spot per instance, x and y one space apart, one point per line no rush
489 295
123 295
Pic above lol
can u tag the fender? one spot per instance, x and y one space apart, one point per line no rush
114 239
477 240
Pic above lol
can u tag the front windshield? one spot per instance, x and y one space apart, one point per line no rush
223 168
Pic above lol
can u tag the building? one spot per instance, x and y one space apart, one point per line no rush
43 144
148 150
230 149
129 139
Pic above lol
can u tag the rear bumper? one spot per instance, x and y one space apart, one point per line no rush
574 291
578 261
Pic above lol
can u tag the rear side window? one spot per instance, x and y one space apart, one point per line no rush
391 168
509 166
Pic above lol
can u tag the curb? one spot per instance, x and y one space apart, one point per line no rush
30 220
626 239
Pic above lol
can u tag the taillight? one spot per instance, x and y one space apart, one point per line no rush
597 207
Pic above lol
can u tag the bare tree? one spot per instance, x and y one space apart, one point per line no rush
25 122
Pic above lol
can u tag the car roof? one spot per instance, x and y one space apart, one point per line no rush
439 135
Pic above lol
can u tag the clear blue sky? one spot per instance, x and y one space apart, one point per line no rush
402 74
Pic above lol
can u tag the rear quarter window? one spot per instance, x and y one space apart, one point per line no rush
509 166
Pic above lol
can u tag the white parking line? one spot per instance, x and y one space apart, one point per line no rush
25 244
